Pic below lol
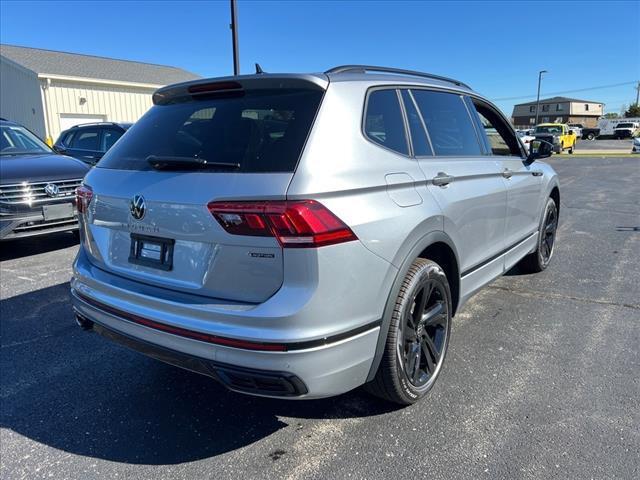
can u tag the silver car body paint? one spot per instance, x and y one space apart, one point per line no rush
249 288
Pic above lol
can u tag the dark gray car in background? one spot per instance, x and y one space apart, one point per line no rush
37 185
90 141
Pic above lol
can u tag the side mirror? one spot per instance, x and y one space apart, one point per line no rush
538 149
61 149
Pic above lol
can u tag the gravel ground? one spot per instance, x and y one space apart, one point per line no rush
541 380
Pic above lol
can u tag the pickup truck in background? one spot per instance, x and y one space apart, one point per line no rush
577 128
606 127
625 130
558 134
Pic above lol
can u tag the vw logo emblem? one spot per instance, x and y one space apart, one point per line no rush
51 189
137 207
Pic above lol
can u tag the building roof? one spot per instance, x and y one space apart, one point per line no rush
558 100
52 62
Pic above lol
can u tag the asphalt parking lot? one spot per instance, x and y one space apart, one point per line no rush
541 380
585 146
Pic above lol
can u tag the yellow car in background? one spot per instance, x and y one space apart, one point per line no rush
560 135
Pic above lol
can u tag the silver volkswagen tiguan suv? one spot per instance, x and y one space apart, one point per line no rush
300 235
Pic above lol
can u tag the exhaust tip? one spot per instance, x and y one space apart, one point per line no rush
83 322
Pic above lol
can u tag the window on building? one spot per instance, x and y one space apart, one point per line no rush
532 121
559 107
586 107
448 122
383 121
532 109
545 108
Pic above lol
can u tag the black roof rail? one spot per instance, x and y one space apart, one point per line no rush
400 71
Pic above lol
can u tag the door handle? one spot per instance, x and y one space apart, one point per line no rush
536 173
506 173
442 179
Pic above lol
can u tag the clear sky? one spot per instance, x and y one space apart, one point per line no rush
497 47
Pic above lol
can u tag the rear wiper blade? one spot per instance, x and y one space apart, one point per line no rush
161 162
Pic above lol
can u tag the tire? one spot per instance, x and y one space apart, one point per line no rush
413 355
539 260
591 136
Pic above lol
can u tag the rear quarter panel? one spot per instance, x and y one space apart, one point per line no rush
379 193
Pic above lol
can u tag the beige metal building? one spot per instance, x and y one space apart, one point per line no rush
50 91
558 110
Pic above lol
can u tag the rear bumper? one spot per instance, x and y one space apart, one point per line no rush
245 380
317 372
328 332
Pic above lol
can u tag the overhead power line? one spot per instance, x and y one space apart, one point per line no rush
567 91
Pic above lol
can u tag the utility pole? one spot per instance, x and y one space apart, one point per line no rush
538 99
638 94
234 37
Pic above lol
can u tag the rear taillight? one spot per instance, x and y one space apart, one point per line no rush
296 224
84 194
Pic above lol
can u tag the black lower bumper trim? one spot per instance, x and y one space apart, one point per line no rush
241 379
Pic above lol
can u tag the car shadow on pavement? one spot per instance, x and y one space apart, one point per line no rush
24 247
79 393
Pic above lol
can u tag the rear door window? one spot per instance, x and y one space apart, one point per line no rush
448 122
419 141
262 130
383 122
109 137
86 139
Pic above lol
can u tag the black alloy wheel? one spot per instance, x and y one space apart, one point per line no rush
424 334
548 234
538 260
418 336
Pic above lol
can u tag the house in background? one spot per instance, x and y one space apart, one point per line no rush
50 91
558 110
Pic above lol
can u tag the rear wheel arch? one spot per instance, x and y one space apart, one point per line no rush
443 255
436 246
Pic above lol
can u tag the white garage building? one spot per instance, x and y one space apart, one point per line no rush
49 91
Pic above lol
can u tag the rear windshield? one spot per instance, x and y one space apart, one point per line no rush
262 131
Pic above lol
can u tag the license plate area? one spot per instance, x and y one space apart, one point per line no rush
57 211
155 252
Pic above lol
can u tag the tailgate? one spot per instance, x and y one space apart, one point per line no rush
147 217
205 259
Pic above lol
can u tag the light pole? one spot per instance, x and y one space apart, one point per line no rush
538 99
234 37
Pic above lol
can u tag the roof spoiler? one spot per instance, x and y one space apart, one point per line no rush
237 85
